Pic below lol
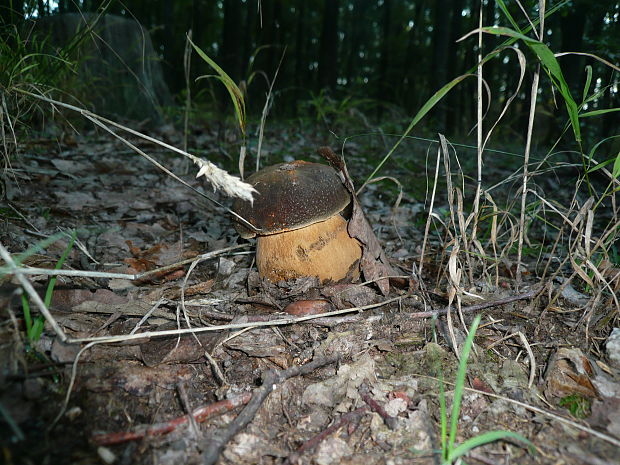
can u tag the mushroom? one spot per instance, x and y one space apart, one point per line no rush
298 221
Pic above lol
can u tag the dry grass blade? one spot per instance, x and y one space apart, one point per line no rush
263 118
528 145
219 179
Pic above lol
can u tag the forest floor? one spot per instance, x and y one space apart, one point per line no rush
371 397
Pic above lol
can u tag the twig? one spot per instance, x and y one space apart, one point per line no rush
200 414
184 398
350 417
481 306
390 421
133 277
218 178
281 321
218 440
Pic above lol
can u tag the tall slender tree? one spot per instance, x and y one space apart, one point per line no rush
230 53
328 56
441 34
383 87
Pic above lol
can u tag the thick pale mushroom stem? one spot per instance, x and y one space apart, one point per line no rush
323 249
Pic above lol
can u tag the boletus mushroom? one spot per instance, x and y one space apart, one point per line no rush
297 212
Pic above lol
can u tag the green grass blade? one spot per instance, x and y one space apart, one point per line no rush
598 112
616 170
37 329
233 90
511 20
595 148
460 382
586 88
486 438
27 315
443 414
36 248
430 103
552 67
50 287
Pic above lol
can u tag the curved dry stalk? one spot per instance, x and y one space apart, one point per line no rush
219 179
528 145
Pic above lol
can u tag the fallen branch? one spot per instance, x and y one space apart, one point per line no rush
481 306
218 439
200 414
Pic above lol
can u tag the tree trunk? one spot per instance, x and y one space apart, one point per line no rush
249 32
441 33
572 27
410 76
453 118
231 46
359 16
301 66
383 87
328 55
11 11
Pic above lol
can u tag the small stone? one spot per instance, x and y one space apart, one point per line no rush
106 455
395 406
333 450
613 347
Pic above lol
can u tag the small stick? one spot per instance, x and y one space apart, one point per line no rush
187 407
390 421
481 306
351 417
200 414
218 440
130 276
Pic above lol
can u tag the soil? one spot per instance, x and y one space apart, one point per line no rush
540 366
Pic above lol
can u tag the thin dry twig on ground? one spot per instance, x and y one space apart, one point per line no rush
200 414
132 277
217 440
481 306
281 321
390 421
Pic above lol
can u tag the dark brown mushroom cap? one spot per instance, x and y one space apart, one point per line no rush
291 196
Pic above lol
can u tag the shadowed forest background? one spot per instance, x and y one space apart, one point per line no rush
379 60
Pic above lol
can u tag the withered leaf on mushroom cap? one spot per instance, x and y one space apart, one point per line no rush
291 196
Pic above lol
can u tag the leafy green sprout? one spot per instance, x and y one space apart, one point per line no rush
34 327
236 94
450 451
578 405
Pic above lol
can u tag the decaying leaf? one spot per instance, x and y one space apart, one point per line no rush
374 263
569 373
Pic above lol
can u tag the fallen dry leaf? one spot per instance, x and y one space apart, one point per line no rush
569 372
374 263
